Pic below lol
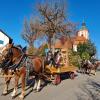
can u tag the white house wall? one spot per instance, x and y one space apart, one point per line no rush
3 38
75 48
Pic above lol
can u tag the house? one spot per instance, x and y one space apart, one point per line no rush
4 38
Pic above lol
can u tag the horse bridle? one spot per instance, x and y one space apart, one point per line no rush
20 60
7 59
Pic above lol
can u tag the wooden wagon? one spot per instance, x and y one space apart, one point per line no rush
54 73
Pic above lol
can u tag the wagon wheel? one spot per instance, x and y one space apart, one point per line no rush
57 79
72 75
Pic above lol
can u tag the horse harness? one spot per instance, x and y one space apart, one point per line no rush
22 60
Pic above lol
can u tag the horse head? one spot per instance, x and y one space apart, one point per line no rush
9 56
97 64
5 54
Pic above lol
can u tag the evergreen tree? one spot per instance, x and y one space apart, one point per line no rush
87 48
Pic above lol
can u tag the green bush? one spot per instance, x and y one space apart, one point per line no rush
74 58
87 47
85 55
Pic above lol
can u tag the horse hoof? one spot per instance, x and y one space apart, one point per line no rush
33 89
13 97
13 94
38 90
89 74
94 73
4 93
21 97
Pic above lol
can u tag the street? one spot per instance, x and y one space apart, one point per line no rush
83 87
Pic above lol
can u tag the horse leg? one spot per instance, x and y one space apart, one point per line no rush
94 72
23 86
38 85
35 84
15 85
83 70
7 81
80 69
89 71
86 70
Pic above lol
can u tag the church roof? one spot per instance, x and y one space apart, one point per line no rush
65 45
83 26
79 39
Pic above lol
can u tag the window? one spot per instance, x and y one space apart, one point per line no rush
1 42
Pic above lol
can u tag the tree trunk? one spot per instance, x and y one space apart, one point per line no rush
49 43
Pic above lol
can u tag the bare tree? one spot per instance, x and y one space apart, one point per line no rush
31 31
54 19
68 31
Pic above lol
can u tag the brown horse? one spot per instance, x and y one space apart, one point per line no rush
89 67
94 68
14 59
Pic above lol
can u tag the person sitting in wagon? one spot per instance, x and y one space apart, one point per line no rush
49 58
57 58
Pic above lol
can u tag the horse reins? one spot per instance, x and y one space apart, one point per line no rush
19 63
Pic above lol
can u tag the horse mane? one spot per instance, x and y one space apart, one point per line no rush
16 47
20 49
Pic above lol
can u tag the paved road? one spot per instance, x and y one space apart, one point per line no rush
84 87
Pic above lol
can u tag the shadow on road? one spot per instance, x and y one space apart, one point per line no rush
90 91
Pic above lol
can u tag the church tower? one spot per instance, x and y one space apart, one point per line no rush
81 37
83 31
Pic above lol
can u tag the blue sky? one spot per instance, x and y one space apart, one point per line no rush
13 13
